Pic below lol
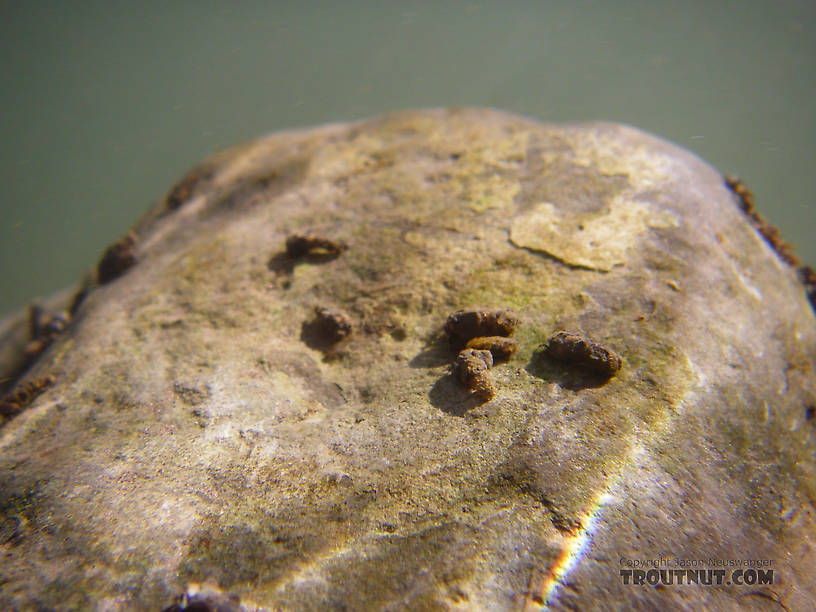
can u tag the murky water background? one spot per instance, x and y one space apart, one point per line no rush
105 104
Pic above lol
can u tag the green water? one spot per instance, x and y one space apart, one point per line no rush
105 104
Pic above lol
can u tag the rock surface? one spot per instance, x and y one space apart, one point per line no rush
197 431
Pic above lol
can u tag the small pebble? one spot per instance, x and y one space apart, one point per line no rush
471 368
464 325
583 353
500 347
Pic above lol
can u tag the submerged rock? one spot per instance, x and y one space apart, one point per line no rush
192 434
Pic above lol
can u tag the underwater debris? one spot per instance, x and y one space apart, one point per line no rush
326 330
464 325
18 400
500 348
471 368
480 337
83 292
42 324
772 236
43 329
118 258
808 278
183 190
334 325
583 353
303 245
767 231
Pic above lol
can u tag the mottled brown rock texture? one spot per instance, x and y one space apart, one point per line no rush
191 433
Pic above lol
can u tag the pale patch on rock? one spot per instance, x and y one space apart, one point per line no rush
598 241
